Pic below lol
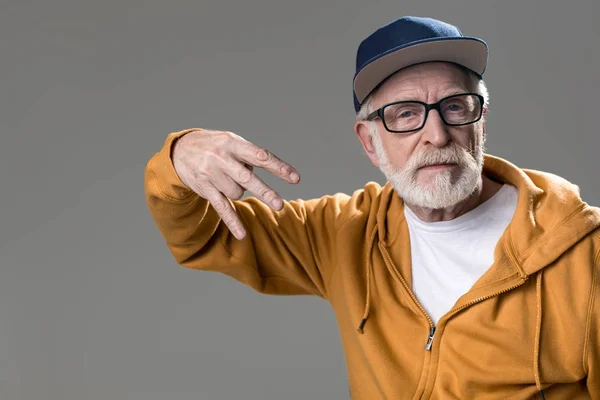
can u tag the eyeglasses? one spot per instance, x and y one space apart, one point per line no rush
409 116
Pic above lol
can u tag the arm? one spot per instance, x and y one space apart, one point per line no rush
284 252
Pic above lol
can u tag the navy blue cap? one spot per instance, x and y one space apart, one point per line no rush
408 41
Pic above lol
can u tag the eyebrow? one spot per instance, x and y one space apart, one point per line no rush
444 94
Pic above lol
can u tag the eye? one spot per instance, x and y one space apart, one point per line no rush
455 107
406 111
406 114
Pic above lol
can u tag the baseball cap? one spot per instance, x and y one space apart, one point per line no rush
408 41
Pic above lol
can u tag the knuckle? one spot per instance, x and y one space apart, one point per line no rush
231 219
245 176
268 194
240 192
263 155
212 161
221 207
228 220
285 169
220 141
228 136
236 193
216 153
207 159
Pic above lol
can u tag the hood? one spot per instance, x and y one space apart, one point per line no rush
550 217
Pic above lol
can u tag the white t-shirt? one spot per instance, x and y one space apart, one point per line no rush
449 256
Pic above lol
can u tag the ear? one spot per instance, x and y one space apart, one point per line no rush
485 110
361 128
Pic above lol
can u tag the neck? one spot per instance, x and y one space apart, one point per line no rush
485 189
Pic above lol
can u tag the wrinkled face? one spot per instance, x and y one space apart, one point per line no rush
437 166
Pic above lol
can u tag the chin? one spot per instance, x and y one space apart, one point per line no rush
434 180
437 191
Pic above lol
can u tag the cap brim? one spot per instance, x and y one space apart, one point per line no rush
471 53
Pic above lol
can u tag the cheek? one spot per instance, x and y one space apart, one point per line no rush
399 150
478 137
470 138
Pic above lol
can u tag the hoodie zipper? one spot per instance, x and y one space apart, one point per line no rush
430 338
429 341
414 298
458 309
477 300
432 327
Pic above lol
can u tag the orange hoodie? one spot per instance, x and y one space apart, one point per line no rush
529 325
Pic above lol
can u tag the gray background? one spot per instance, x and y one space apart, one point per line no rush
92 305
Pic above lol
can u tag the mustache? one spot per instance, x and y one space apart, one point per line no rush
453 154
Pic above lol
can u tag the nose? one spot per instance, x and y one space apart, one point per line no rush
435 131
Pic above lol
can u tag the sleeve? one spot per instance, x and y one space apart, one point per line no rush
284 252
592 344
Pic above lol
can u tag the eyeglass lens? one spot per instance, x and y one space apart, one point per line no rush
456 110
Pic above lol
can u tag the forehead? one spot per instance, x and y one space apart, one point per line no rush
426 82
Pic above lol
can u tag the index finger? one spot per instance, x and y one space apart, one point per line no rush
254 155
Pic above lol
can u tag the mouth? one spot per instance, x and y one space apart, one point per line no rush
432 167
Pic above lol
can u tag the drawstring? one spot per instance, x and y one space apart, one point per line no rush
538 332
368 295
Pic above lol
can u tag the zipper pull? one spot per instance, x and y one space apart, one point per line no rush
430 338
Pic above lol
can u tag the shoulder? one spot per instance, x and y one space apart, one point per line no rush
342 208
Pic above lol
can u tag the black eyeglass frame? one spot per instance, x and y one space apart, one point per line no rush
428 107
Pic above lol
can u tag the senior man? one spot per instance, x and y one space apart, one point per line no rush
464 277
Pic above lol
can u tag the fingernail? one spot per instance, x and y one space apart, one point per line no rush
294 176
276 203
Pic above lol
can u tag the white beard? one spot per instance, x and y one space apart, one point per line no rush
446 190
